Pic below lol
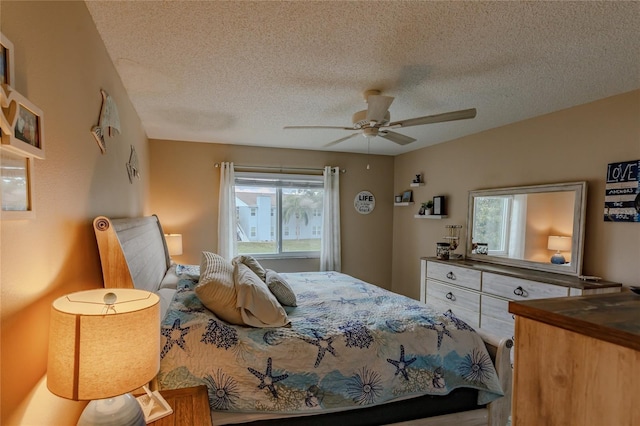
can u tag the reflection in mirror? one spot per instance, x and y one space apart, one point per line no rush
522 226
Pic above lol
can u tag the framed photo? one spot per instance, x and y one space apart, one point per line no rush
6 61
438 205
407 196
25 123
16 186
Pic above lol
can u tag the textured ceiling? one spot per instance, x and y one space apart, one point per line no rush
236 72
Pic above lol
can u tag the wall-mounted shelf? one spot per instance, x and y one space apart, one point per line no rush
430 216
414 184
403 204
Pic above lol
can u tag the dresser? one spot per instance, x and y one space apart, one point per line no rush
479 293
577 361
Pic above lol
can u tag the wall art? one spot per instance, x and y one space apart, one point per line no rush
6 61
365 202
23 124
439 207
622 192
108 123
132 165
16 186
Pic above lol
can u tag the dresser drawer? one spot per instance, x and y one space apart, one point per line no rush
495 307
497 327
472 318
519 289
453 296
464 277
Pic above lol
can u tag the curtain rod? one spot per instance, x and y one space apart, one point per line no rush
281 169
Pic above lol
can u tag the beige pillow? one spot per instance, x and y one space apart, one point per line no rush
216 288
280 289
258 307
252 263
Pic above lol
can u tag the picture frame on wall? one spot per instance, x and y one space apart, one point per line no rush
6 61
407 196
25 122
16 186
438 205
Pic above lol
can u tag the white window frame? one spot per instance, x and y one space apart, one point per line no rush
280 181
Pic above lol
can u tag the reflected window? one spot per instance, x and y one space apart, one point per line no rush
491 223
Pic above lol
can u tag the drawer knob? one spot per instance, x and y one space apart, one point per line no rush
451 275
450 296
519 292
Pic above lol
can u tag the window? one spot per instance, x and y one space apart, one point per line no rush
491 225
283 214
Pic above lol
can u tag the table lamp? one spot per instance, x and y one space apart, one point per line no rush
103 344
174 244
559 244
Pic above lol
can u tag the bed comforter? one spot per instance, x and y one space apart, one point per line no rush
350 344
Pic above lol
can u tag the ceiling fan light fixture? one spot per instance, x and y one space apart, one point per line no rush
370 132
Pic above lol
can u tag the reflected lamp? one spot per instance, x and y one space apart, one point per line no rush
174 244
104 344
559 244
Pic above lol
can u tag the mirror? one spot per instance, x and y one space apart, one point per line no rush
521 226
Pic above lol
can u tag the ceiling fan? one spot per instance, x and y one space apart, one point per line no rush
376 120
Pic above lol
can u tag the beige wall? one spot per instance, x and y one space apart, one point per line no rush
566 146
184 194
61 65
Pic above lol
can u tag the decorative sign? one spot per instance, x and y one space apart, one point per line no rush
364 202
438 205
622 192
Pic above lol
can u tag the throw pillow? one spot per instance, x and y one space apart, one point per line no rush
216 288
252 263
258 307
281 288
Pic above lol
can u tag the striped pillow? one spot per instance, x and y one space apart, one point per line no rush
281 289
216 288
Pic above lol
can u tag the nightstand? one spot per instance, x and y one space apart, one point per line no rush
190 407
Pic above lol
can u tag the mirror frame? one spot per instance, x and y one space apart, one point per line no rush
577 241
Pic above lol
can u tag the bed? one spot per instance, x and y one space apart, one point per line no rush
347 352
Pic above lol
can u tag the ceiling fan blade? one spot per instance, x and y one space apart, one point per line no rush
378 107
342 139
319 127
396 137
437 118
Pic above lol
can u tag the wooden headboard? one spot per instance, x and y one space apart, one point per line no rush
133 252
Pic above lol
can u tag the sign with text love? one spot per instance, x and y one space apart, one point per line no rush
622 193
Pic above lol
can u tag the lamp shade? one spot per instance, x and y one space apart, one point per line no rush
101 347
174 244
559 243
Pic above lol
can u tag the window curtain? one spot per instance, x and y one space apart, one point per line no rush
518 227
330 247
227 240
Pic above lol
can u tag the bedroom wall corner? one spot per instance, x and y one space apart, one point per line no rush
61 64
574 144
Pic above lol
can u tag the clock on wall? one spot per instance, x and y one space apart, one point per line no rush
365 202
